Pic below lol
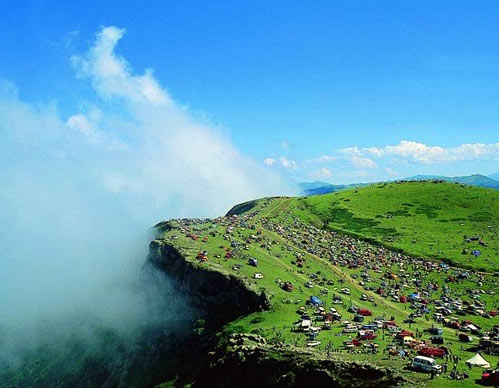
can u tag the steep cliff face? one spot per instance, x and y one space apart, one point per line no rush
246 360
223 297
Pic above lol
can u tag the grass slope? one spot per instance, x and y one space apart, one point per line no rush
257 234
424 219
317 188
472 180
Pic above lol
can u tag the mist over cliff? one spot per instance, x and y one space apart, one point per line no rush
80 193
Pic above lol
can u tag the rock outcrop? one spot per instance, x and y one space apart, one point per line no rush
221 296
246 360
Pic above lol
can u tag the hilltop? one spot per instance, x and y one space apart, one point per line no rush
311 286
450 222
472 180
491 181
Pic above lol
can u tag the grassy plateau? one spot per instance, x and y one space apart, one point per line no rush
370 248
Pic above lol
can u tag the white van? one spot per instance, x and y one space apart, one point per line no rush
425 364
350 329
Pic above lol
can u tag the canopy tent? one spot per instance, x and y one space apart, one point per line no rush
478 360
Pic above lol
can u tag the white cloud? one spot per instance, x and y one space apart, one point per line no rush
288 164
283 162
360 162
373 151
80 123
351 151
325 159
391 172
269 162
476 151
416 152
352 155
321 173
94 204
112 75
87 125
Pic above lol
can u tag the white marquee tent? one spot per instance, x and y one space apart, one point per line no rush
478 360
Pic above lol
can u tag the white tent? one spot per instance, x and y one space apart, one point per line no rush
478 360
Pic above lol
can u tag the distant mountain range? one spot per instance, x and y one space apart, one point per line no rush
494 176
314 188
491 181
472 180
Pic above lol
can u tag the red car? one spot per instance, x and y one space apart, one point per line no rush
287 287
367 336
428 351
465 337
364 312
490 378
354 342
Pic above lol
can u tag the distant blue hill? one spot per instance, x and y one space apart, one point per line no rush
472 180
315 188
494 176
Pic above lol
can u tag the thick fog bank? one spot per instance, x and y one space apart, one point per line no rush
80 193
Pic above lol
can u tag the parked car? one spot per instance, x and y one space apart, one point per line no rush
437 339
490 378
350 329
429 351
465 337
287 286
425 364
353 309
436 331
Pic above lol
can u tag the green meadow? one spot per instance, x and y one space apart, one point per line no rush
420 219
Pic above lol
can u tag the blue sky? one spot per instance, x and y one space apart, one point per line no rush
244 99
339 91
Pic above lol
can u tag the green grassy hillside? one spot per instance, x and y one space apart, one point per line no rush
294 250
424 219
292 241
